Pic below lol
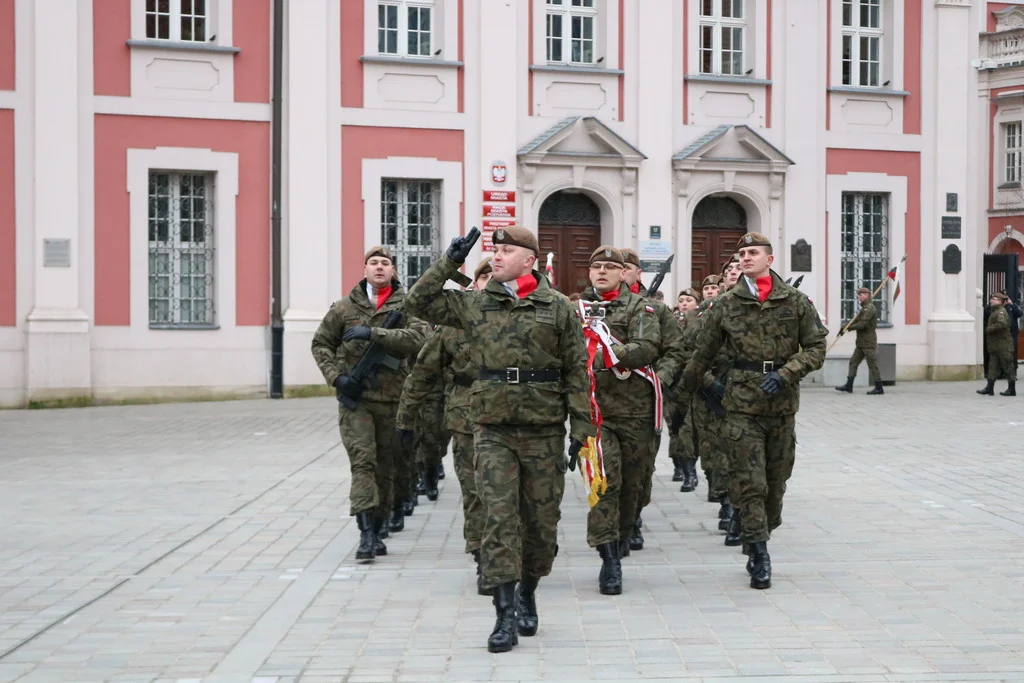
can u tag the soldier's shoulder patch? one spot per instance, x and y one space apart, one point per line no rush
649 309
810 300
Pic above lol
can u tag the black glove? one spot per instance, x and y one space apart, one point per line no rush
460 247
717 391
714 405
772 383
361 332
841 332
574 453
345 386
406 438
667 391
675 423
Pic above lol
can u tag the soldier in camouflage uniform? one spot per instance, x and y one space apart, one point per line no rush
368 432
775 338
706 423
670 363
682 443
999 340
432 440
864 324
729 512
527 343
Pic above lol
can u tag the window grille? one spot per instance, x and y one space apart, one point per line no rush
865 251
410 225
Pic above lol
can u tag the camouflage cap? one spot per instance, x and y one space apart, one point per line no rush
630 256
711 280
607 253
863 290
383 252
482 268
753 239
518 237
693 293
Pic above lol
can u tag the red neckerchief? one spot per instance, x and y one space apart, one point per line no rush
525 285
764 287
610 296
635 287
382 295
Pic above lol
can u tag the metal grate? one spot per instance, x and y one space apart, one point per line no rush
181 249
410 224
865 251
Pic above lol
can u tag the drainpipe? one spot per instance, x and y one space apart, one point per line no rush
276 321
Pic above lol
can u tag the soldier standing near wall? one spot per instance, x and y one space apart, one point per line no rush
864 324
527 342
999 340
368 431
775 338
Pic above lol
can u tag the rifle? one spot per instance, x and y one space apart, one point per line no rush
373 357
798 281
662 272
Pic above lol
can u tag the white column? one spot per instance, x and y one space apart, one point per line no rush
58 353
656 22
307 194
951 330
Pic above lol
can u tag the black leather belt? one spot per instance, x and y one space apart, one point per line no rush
517 375
464 380
762 366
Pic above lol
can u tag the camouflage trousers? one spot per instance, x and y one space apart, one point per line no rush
626 445
405 475
1000 366
472 507
870 355
648 481
713 459
520 478
763 451
433 438
368 434
683 443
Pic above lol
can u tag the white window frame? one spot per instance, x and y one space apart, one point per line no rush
567 12
1013 151
856 34
402 8
175 18
219 20
719 24
224 166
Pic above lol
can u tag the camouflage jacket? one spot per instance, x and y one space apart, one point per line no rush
864 323
335 357
633 321
444 359
672 354
539 331
997 331
785 329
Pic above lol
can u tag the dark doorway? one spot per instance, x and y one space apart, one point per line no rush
718 224
570 227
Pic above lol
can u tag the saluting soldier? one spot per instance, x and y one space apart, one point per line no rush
775 338
368 431
999 340
864 324
671 360
527 343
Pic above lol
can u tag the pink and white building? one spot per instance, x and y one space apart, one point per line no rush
137 148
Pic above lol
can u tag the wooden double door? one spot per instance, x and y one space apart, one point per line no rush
718 224
572 246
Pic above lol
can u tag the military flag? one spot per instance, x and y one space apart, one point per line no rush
550 268
894 275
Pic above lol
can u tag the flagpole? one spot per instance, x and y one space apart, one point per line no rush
873 295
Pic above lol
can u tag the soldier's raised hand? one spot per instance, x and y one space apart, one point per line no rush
772 383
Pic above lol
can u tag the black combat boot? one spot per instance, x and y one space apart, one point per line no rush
750 559
409 505
689 476
378 545
430 480
421 481
726 513
480 590
848 387
382 530
610 579
526 606
877 390
636 538
504 636
677 469
732 534
1011 390
440 470
761 576
365 552
397 522
988 390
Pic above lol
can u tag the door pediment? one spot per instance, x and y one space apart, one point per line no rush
580 140
729 147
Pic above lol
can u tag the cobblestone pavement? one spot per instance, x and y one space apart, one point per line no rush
210 543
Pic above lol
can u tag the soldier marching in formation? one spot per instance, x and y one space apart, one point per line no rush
510 360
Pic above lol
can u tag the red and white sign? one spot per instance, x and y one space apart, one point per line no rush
500 196
499 173
500 210
487 232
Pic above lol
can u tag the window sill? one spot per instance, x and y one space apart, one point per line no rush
1009 186
576 69
721 78
179 327
184 46
880 92
410 61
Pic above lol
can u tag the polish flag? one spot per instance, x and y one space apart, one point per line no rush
894 275
550 268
